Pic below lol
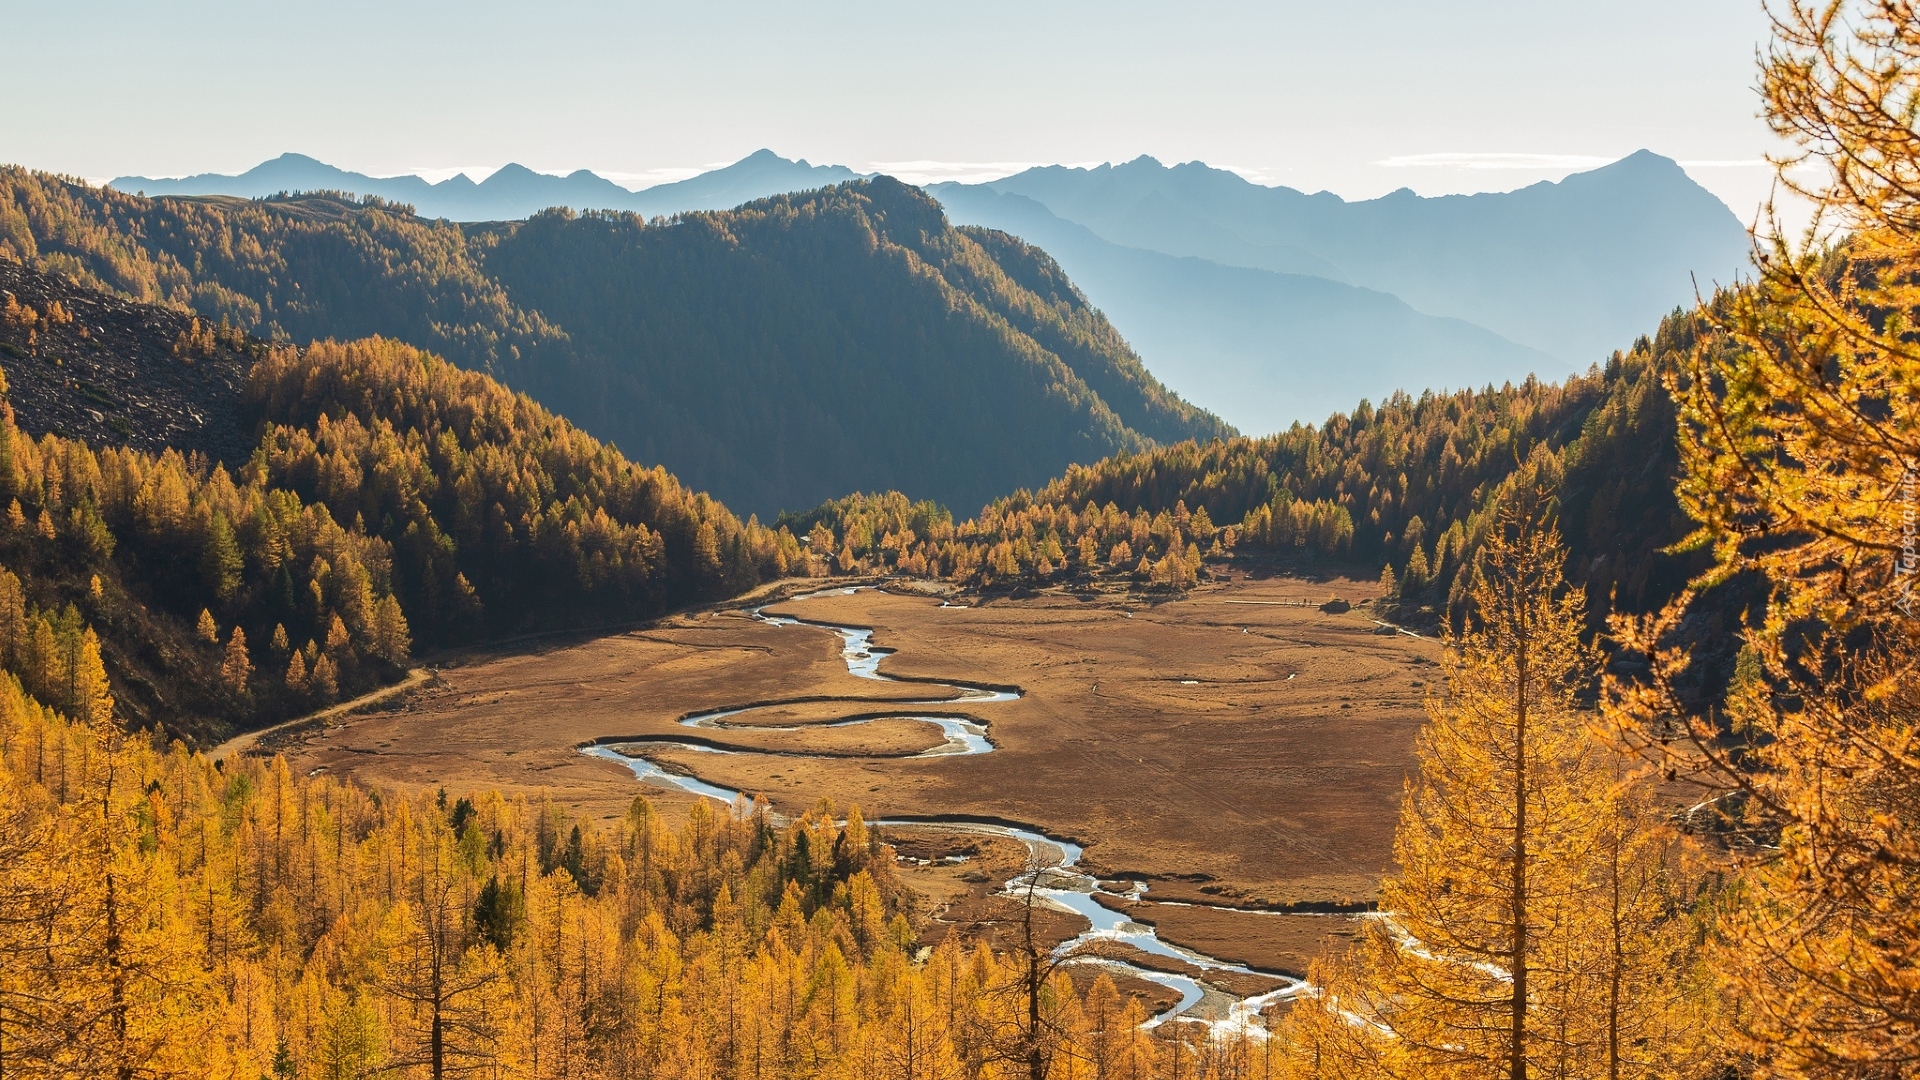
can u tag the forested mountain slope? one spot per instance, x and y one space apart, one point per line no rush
1408 486
852 329
380 498
777 355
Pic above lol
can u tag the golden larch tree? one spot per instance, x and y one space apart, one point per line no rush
1521 935
237 666
1799 431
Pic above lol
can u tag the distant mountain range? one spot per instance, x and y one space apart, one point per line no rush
1265 305
1575 268
511 192
1259 348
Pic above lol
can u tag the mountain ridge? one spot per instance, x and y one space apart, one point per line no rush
511 192
1575 267
1290 306
779 253
1260 348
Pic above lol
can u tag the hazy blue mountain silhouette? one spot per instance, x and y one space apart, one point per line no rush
1575 268
514 191
288 172
1260 349
755 176
1266 305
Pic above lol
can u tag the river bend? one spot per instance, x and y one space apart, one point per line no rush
1053 874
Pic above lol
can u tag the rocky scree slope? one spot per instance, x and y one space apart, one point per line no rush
89 365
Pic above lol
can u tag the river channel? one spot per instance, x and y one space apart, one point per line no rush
1052 876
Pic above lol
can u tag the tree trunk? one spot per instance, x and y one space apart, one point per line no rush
1518 1070
1036 1060
1619 957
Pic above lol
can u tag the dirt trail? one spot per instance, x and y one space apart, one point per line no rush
246 743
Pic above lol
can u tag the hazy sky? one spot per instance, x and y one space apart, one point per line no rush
1356 98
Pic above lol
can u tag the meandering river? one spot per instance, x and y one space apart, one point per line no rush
1052 877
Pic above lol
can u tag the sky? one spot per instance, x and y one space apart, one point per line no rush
1359 99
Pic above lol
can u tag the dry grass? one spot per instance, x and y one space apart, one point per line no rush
1238 753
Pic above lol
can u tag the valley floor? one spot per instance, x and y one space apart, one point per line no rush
1236 747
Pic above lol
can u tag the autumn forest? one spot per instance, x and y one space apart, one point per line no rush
1663 813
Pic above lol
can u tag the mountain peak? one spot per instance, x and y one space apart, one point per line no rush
1644 157
1641 163
1642 168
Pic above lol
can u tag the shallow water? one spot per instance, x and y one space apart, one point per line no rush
1058 883
653 774
964 736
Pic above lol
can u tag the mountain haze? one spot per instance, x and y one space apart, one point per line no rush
777 355
511 192
1259 348
1574 269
